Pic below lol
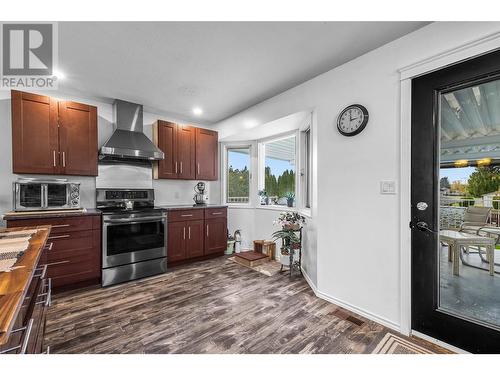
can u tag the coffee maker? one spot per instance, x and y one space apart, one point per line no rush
200 198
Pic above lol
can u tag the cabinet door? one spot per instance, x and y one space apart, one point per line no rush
35 145
186 152
194 247
78 138
206 154
177 234
215 235
165 137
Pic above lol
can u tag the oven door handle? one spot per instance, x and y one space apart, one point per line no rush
135 220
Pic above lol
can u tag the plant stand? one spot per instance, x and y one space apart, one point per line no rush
289 250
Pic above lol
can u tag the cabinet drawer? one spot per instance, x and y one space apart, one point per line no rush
184 215
65 243
60 225
74 270
211 213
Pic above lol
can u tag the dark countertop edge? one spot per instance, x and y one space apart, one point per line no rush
49 215
190 207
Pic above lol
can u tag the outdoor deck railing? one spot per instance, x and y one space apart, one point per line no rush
487 201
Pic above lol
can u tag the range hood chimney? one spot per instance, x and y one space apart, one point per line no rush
128 140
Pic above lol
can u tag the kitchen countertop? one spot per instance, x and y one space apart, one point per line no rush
175 207
14 284
49 214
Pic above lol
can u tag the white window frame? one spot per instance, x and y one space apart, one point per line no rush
261 163
257 169
225 148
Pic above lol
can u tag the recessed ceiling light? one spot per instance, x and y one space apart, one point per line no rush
197 111
59 74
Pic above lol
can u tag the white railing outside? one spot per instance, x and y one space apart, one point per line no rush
237 199
462 202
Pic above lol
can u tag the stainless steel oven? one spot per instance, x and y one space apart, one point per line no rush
133 235
37 194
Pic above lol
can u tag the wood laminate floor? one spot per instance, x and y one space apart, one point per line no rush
214 306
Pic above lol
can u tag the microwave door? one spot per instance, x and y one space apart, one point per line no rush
29 197
56 196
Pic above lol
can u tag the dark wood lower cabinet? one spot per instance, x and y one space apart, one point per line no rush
176 249
193 234
215 235
194 246
74 259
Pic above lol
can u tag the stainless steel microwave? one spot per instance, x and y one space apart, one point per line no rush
36 194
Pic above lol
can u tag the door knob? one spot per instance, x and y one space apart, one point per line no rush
422 226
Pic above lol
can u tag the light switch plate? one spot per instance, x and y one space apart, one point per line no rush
387 187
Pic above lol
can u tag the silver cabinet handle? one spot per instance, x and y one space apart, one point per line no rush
189 232
207 230
184 232
198 168
61 236
181 167
186 215
44 272
216 213
26 338
48 295
175 167
60 225
64 158
54 157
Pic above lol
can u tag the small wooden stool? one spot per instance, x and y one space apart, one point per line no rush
265 247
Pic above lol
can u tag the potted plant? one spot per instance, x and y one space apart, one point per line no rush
289 239
290 220
264 199
290 197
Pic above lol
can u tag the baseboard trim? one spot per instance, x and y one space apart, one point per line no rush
366 314
439 342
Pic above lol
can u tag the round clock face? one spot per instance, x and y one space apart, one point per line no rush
352 120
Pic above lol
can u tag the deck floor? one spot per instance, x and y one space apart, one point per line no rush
214 306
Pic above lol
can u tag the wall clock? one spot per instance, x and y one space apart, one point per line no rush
352 120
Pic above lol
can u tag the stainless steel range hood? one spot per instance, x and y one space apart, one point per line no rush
128 140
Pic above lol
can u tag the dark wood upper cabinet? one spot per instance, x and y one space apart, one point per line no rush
51 137
165 137
35 145
190 153
215 235
78 139
186 147
206 154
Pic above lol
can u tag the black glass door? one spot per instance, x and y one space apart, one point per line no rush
57 195
30 195
134 237
455 198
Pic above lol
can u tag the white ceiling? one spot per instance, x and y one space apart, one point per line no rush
222 67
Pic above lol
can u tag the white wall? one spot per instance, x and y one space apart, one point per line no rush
166 191
357 228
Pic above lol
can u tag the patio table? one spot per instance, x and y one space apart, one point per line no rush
488 230
455 240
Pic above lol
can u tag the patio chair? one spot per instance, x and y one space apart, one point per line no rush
474 219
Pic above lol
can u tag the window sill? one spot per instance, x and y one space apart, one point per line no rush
276 208
233 205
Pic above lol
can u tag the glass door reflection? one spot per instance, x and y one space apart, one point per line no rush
469 210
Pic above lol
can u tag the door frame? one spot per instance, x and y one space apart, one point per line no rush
452 56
